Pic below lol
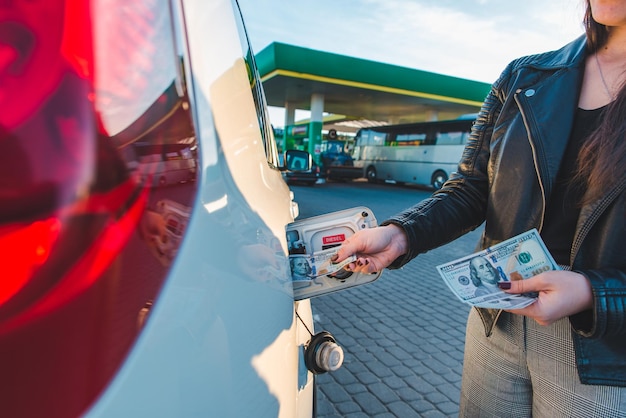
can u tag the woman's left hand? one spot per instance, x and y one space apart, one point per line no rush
561 294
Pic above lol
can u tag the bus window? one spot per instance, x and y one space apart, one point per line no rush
411 139
452 138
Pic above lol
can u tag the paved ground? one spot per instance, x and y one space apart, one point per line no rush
403 341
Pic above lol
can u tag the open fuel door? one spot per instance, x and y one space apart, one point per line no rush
313 241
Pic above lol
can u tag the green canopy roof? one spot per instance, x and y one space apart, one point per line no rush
363 89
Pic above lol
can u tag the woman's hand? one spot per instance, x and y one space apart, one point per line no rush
375 248
561 294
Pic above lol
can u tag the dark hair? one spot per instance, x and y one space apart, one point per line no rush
602 159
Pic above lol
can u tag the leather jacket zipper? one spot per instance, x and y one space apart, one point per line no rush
521 100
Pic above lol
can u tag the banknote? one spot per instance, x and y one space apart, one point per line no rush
322 264
473 278
319 264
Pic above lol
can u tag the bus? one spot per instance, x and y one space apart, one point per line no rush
166 164
423 153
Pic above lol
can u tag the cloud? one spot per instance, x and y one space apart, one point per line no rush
472 39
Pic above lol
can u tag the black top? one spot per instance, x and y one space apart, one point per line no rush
563 206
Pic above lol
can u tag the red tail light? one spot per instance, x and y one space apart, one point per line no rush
85 117
26 248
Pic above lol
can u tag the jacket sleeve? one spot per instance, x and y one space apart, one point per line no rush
607 318
460 205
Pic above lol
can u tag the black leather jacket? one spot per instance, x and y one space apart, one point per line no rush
523 127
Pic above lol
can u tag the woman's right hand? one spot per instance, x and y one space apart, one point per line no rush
375 248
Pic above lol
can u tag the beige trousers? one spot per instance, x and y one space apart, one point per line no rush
527 370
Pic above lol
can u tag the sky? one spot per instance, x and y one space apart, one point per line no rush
471 39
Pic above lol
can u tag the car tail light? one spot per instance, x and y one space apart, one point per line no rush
81 108
28 247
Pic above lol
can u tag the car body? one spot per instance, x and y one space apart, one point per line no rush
120 298
337 163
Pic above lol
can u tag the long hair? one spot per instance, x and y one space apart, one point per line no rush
602 159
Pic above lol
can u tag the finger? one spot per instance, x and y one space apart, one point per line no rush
532 284
347 249
361 265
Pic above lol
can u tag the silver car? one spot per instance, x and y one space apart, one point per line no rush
124 294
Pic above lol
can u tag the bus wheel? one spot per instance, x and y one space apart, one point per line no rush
438 178
371 175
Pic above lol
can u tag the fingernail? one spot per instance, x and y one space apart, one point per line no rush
504 285
334 258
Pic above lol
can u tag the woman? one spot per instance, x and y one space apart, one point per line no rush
547 151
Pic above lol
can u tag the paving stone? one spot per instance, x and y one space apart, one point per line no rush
437 367
343 376
422 406
370 403
367 378
348 407
385 342
415 362
402 370
419 384
357 415
433 414
387 359
399 353
353 364
450 391
436 397
335 392
379 369
385 415
365 357
403 338
356 388
403 410
383 392
449 408
394 382
408 394
324 407
445 359
432 379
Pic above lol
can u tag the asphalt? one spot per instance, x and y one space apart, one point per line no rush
403 339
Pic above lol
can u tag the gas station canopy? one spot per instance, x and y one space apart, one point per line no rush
356 90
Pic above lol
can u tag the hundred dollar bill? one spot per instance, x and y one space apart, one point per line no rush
473 279
322 264
319 264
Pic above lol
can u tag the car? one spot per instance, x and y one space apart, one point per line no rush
337 164
300 168
125 295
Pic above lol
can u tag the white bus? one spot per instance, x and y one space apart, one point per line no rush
423 153
165 164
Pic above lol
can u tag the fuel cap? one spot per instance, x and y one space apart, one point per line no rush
323 354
